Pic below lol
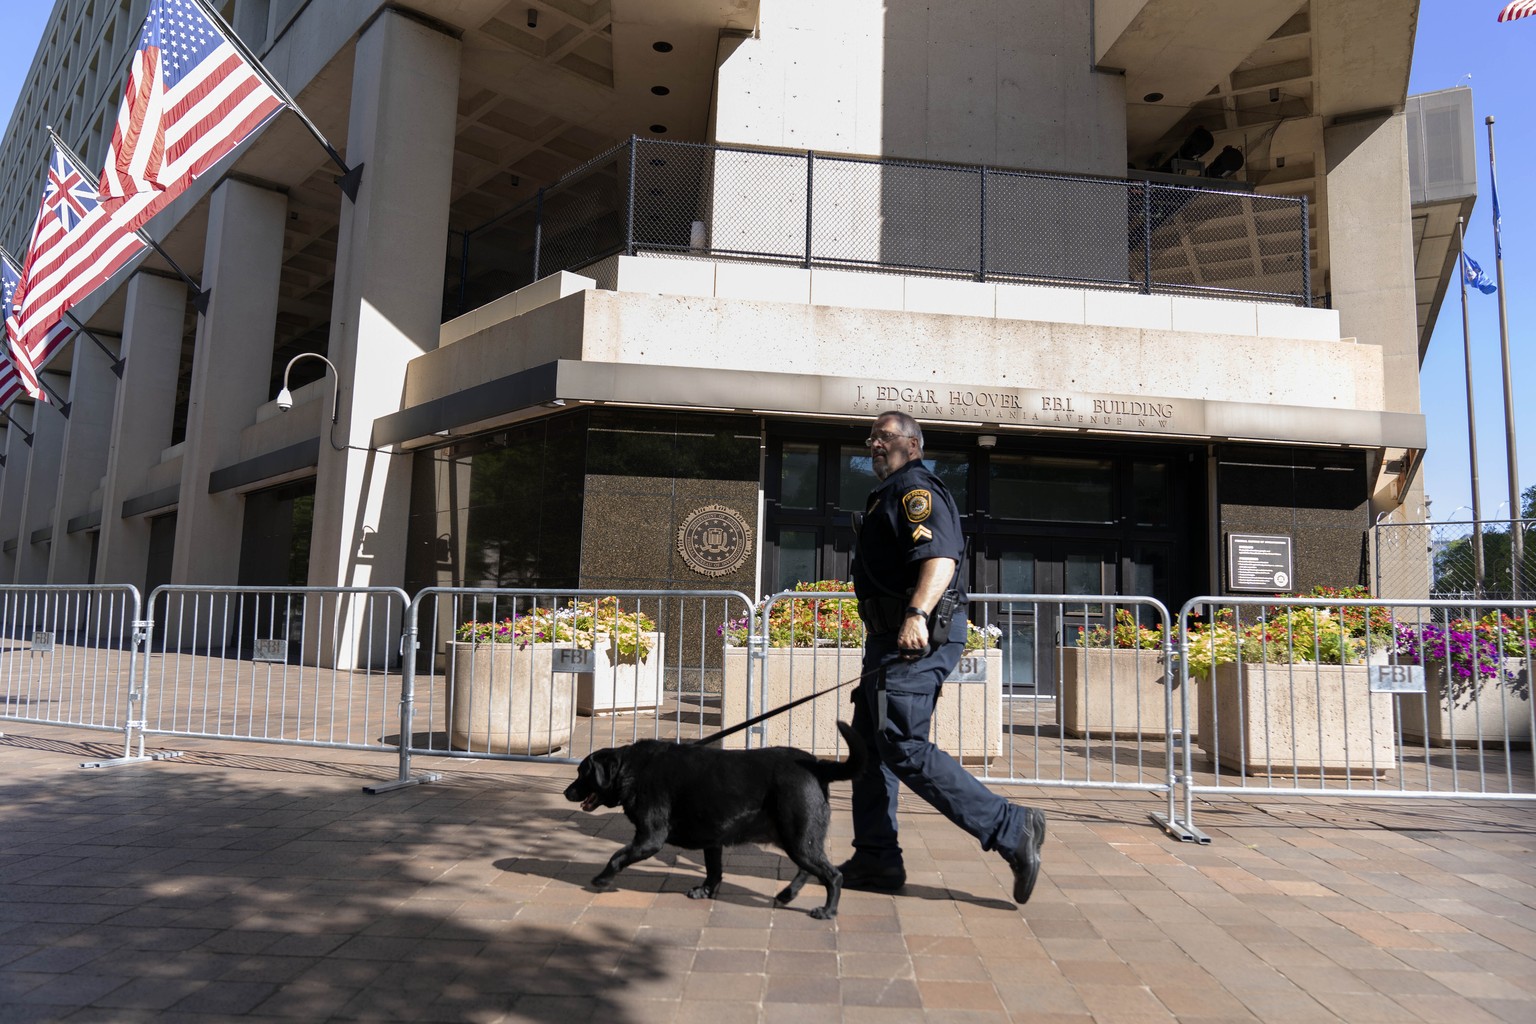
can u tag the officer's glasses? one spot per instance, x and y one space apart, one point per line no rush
883 436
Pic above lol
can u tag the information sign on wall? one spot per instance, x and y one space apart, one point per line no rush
1257 562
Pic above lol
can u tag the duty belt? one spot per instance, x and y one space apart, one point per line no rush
881 615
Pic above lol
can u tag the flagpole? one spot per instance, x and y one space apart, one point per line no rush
1516 539
351 177
199 297
58 399
117 361
1479 565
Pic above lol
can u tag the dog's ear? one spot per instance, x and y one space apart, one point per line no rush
605 769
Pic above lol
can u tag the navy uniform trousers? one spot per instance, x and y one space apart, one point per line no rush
906 757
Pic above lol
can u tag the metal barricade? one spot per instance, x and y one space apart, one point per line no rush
551 675
316 666
1085 691
1356 697
801 642
70 657
1053 691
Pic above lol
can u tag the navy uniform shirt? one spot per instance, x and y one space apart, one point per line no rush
909 518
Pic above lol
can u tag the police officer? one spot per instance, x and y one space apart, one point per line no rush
906 562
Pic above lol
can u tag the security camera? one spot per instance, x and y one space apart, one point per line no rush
983 441
533 17
285 400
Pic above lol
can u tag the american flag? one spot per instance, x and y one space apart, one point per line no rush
75 247
10 380
1518 9
10 383
191 100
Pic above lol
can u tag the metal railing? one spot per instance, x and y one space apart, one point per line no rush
554 674
1042 698
70 656
1443 560
317 666
1345 698
815 210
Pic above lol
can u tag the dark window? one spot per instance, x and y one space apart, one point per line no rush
1053 489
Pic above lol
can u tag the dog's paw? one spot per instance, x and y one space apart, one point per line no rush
824 913
702 892
784 896
602 881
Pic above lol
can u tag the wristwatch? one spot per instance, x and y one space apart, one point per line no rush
912 610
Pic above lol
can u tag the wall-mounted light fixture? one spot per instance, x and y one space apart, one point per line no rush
986 441
285 397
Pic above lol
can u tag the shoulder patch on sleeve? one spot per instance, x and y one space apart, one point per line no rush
920 534
918 505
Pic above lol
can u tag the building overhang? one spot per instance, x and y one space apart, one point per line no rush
566 383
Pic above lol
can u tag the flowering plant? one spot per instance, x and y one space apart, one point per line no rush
1373 623
581 624
1127 634
1276 636
827 616
981 638
1473 652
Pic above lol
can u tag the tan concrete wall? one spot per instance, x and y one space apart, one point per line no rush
1083 340
13 484
964 81
1369 234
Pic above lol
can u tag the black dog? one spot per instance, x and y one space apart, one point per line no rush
704 798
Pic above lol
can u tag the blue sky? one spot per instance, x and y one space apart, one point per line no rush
1456 38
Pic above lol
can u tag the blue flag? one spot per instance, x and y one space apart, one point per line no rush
1476 276
1493 185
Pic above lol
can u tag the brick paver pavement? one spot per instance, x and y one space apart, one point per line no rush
259 883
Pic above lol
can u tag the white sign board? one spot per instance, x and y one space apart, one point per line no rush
972 668
1397 678
569 659
270 649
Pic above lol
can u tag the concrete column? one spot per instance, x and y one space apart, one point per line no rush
231 373
1369 235
388 298
42 487
13 486
87 436
142 417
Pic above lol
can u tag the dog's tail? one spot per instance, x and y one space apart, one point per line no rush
841 771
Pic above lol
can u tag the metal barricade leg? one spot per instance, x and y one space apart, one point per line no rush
408 646
138 686
1176 670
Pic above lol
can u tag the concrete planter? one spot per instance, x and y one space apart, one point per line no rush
505 699
1115 692
967 722
1495 714
622 684
1300 718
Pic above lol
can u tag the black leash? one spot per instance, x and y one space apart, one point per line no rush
778 710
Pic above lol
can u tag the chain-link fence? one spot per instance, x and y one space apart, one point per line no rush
1454 560
977 223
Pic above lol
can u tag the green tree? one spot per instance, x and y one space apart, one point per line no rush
1455 562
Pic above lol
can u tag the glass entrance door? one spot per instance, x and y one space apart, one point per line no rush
1032 632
